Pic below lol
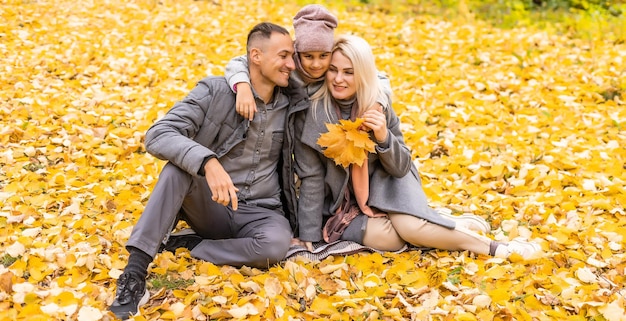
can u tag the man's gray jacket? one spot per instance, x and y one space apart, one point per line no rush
186 136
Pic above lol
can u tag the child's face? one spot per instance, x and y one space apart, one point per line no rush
315 63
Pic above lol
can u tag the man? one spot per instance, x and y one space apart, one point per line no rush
222 174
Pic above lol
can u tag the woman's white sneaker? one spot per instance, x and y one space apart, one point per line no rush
526 249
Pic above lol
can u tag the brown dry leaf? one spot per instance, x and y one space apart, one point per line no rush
6 281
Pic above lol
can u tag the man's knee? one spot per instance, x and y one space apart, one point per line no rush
173 173
274 246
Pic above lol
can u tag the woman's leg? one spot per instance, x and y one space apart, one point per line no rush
420 232
380 234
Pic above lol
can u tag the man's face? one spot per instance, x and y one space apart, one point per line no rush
277 59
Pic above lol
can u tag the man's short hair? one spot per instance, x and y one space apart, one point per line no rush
264 31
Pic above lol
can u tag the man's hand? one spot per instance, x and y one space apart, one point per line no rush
244 102
222 188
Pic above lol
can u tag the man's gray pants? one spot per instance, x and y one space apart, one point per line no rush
252 236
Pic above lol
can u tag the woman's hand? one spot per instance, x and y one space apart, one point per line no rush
307 245
244 103
375 120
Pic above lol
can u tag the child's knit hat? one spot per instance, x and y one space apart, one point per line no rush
314 26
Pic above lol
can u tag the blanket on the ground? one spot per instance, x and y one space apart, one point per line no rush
321 250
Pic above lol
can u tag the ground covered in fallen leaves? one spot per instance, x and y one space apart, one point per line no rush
525 127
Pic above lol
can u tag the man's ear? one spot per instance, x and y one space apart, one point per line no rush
255 56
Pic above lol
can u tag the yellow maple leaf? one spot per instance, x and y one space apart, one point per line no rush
323 305
345 143
333 140
436 276
501 293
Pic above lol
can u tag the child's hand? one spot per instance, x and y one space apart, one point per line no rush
244 103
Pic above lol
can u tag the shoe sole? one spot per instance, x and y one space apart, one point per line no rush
142 302
186 231
127 314
144 299
484 226
183 232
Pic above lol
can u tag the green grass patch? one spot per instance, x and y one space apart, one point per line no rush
7 260
169 282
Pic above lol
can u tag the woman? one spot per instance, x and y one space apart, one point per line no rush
385 192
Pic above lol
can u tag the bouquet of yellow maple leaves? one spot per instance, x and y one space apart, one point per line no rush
346 143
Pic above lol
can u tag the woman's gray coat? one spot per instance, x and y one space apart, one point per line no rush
395 185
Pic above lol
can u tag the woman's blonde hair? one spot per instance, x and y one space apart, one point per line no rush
368 87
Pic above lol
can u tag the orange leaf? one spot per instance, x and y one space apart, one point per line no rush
345 143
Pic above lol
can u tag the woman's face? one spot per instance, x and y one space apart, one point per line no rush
340 77
315 63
